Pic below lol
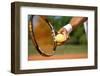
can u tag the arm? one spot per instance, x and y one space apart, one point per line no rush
74 23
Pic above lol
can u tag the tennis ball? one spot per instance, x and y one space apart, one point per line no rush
59 38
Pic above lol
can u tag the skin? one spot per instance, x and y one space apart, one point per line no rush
75 22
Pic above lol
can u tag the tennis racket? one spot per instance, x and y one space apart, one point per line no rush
42 34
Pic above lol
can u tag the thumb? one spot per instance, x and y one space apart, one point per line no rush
64 33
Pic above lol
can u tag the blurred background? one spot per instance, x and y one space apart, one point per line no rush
78 36
77 42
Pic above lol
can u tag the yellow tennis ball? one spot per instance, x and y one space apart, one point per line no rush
59 38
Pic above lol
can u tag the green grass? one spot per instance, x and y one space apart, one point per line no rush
71 49
64 49
31 48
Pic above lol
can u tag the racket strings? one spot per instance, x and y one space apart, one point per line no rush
53 34
45 48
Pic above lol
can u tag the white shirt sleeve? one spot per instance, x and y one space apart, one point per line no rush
68 27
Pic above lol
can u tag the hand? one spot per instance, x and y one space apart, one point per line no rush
64 32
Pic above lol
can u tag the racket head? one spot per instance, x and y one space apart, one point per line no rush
42 34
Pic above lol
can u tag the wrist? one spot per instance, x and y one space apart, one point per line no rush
68 28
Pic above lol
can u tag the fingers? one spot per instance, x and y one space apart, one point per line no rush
65 35
64 32
59 44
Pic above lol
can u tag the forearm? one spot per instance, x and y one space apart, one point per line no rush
76 21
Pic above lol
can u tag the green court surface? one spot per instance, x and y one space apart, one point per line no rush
63 49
